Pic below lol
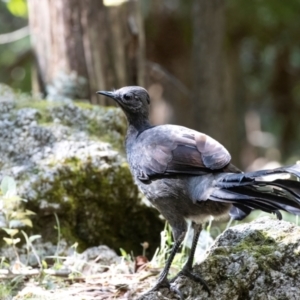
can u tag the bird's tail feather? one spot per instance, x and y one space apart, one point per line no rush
253 190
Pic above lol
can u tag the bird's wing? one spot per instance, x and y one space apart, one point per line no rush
171 149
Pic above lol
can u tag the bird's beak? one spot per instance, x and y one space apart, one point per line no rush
107 94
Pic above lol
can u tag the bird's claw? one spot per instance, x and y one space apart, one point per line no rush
192 276
177 292
167 284
159 285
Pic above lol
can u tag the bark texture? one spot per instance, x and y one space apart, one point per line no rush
212 102
82 46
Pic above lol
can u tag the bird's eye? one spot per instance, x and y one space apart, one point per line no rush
127 97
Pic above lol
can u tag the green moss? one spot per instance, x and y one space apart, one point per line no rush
258 243
84 105
42 106
95 204
221 251
100 207
111 126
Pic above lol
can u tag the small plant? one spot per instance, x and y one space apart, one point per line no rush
14 216
161 254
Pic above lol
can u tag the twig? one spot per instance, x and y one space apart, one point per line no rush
14 36
167 75
5 273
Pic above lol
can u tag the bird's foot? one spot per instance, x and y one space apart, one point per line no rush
188 273
159 285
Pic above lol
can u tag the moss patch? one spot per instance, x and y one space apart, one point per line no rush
99 207
67 164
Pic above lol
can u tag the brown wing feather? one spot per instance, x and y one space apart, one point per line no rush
180 150
214 155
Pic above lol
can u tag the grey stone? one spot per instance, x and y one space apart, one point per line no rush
67 159
258 260
93 260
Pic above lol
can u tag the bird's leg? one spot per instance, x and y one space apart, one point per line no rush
162 280
197 230
187 269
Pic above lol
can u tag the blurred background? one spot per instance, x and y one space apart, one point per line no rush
228 68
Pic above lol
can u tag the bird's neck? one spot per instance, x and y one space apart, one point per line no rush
135 127
138 123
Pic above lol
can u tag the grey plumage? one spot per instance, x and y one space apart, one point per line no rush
187 175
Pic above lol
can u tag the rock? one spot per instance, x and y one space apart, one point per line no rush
46 251
66 160
258 260
93 260
66 87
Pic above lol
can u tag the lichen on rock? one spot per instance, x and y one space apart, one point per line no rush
258 260
66 160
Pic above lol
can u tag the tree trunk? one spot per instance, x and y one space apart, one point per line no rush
82 46
285 105
213 108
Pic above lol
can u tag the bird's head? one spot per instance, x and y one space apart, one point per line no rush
134 100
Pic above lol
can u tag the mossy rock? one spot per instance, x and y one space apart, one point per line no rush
258 260
68 160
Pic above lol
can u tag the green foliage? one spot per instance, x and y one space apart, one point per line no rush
126 256
264 35
16 58
8 186
161 254
15 216
5 290
29 247
264 20
18 8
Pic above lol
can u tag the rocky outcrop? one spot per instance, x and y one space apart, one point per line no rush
258 260
66 160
